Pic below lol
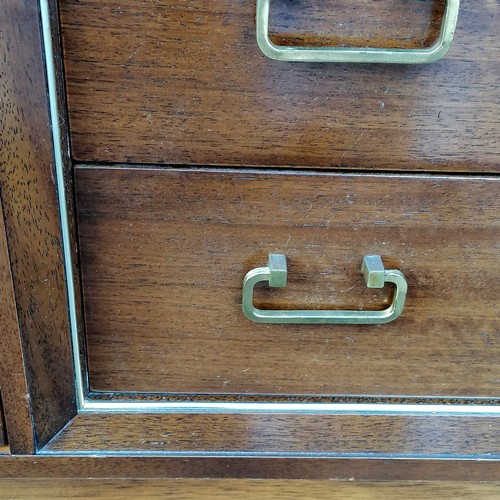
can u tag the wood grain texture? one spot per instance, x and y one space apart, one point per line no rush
32 221
3 435
68 175
184 83
244 489
303 468
164 253
15 394
391 24
361 436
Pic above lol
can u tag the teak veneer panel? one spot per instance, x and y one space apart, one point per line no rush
215 489
32 221
183 82
164 252
3 437
146 466
15 403
323 434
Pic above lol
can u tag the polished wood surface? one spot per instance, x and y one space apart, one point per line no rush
33 230
16 411
67 174
393 23
183 82
31 252
145 466
164 252
320 434
244 489
3 436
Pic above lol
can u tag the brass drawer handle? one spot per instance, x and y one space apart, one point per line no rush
276 273
357 54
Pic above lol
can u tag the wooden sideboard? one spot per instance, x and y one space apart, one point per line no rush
152 156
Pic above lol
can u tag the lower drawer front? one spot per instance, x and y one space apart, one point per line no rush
164 252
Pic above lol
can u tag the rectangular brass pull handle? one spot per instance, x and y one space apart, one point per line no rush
275 273
357 54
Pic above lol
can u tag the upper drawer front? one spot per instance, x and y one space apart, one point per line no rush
164 253
183 82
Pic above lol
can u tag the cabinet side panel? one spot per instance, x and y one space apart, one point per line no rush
15 396
32 219
3 438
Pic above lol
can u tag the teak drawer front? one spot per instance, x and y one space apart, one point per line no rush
164 252
184 82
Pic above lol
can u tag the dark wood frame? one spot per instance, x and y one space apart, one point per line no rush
37 373
32 223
